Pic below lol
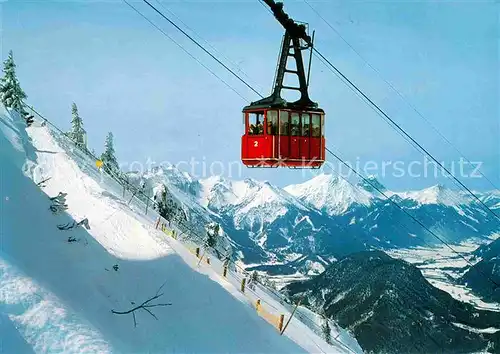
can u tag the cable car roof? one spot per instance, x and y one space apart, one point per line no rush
272 102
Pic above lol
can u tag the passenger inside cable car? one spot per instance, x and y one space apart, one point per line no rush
255 126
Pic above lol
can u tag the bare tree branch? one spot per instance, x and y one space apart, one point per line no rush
146 305
161 287
152 314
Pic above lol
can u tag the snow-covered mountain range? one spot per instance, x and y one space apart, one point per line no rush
304 227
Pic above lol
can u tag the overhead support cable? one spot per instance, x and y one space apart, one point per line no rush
361 94
206 42
400 130
202 47
374 186
184 50
393 88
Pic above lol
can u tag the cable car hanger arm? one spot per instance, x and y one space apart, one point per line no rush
294 29
291 48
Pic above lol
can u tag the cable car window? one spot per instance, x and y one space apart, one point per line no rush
295 124
316 125
305 124
322 125
284 124
256 123
272 122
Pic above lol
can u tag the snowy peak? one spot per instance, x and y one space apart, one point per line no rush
330 193
437 194
266 193
491 199
171 174
248 201
216 192
263 203
372 185
184 187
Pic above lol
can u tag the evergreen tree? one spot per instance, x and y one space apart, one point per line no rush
11 94
265 280
77 133
253 280
212 234
167 207
161 200
325 328
108 157
212 240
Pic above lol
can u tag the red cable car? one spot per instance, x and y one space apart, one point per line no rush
280 133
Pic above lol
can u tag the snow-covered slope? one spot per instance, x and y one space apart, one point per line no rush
58 288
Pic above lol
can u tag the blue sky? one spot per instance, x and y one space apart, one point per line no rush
126 77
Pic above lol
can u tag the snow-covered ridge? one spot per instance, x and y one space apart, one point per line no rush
251 200
324 192
330 193
437 194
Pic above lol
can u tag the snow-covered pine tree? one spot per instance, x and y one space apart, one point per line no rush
77 133
212 234
11 94
167 206
108 157
265 280
253 280
325 328
161 202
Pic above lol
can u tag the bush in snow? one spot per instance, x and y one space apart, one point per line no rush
108 157
11 94
77 133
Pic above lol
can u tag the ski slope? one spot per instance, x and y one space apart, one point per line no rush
58 296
